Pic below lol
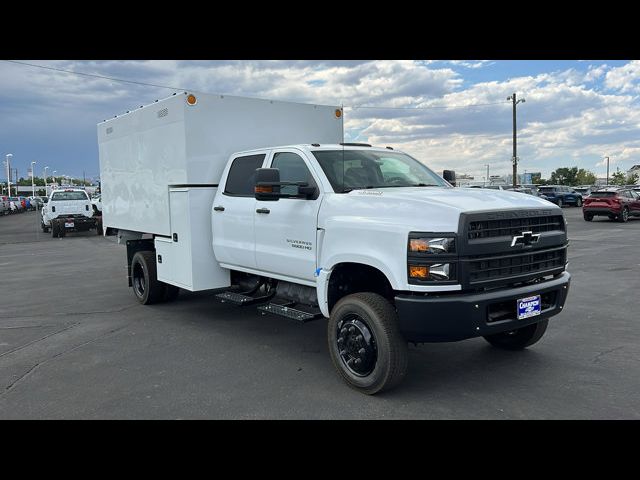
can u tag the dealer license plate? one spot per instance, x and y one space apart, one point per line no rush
68 224
529 307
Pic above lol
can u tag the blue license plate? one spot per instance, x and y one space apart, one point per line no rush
529 307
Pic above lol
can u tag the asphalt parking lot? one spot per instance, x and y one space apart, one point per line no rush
74 343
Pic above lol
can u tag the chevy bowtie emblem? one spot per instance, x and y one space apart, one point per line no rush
526 239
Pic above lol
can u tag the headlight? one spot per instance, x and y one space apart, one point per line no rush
434 272
432 258
432 246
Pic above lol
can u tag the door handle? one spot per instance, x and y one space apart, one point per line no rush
219 209
263 210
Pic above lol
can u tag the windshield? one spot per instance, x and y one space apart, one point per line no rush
57 196
357 169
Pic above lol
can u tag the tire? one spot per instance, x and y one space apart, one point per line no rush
624 215
560 202
62 231
578 202
99 229
380 363
588 216
146 287
518 339
170 293
54 228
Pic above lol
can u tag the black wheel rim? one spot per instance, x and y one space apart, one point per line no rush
356 345
138 280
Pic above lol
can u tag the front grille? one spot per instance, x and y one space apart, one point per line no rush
510 268
514 226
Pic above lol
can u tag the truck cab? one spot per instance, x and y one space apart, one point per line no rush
68 209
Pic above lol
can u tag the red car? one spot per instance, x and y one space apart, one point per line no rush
615 203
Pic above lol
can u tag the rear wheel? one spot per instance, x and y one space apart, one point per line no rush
146 287
578 202
560 202
54 228
365 343
520 338
588 216
624 215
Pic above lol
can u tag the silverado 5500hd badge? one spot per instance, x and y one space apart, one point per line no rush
299 244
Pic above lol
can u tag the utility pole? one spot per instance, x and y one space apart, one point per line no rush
514 159
9 155
487 178
607 170
33 174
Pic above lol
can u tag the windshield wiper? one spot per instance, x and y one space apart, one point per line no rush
424 185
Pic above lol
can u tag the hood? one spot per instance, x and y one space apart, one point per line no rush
424 208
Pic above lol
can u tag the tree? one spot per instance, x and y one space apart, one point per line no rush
633 179
618 177
585 177
564 176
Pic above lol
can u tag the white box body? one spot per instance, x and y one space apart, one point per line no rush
171 143
185 258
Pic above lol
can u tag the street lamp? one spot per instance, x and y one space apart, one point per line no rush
33 173
54 177
515 148
487 179
9 155
607 170
45 181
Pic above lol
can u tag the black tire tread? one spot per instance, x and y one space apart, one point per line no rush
154 287
400 359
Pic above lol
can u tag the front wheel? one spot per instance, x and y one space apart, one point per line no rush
520 338
365 343
560 202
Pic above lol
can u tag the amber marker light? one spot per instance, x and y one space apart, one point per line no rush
338 113
418 245
418 272
191 99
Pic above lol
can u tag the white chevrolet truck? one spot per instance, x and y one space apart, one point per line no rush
368 238
68 210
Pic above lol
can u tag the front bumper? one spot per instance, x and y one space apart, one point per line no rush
452 317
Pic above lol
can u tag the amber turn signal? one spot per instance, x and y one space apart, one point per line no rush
264 189
191 99
418 272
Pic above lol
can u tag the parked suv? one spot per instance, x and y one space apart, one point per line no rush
561 195
615 203
584 191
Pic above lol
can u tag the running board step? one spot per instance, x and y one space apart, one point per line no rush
288 312
240 299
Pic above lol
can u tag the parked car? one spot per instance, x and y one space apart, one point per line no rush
36 203
615 203
16 205
584 191
96 203
496 187
561 195
4 206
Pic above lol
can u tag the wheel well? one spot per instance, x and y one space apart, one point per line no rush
348 278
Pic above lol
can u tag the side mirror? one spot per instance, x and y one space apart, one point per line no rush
449 176
267 186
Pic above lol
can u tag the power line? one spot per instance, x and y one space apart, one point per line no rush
91 75
354 107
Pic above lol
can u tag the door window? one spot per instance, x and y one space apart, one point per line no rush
242 175
292 169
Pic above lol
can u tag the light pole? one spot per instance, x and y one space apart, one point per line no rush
33 173
607 170
45 181
54 176
487 178
9 155
515 144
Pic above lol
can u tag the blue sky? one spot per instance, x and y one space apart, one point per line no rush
576 112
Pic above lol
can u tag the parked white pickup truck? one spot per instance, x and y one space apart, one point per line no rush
68 209
369 238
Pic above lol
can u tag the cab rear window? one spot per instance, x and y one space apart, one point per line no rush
59 196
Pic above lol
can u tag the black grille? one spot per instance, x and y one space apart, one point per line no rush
511 268
514 226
